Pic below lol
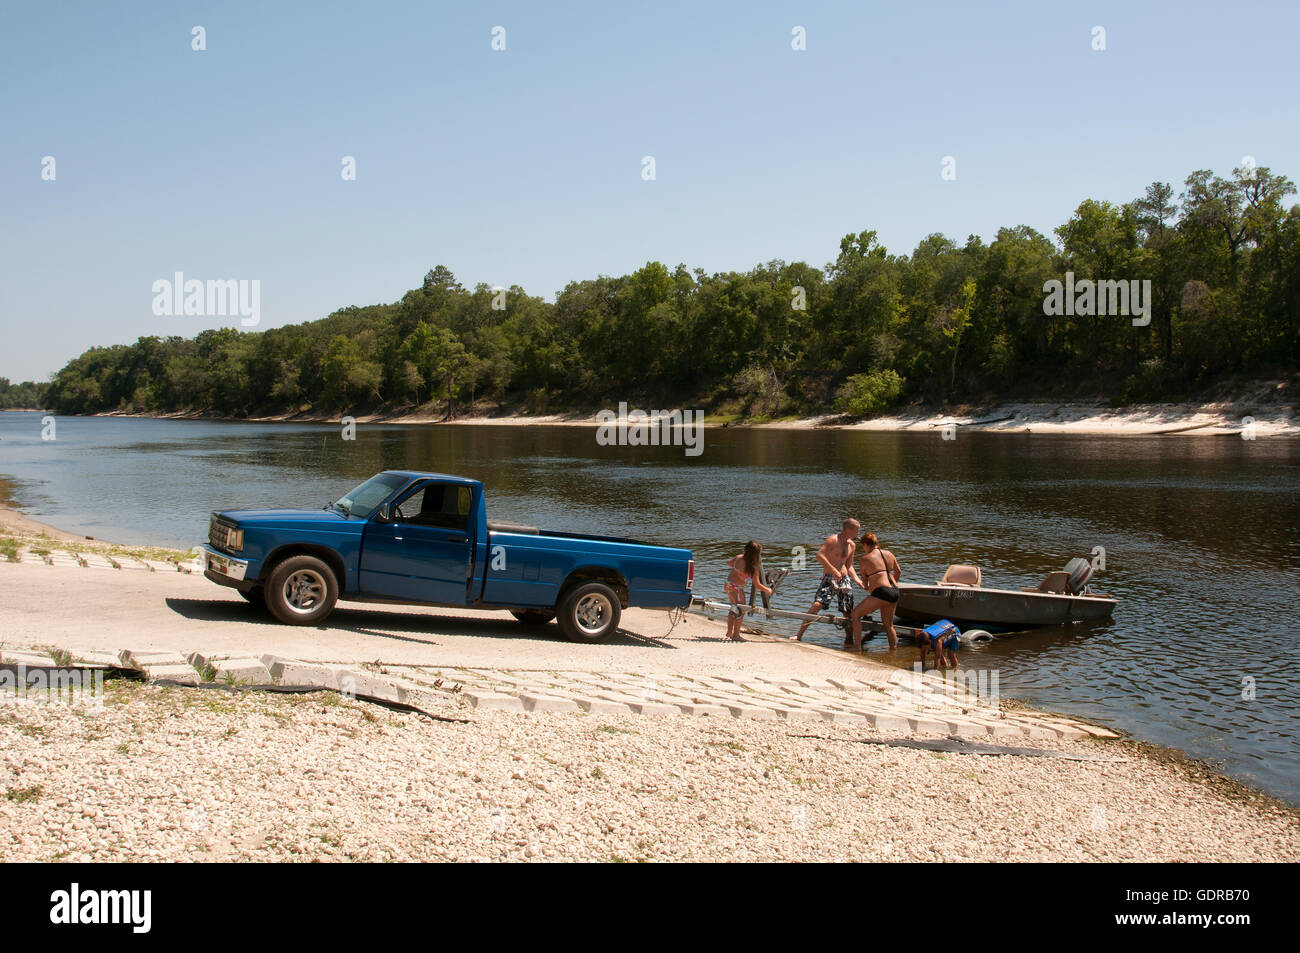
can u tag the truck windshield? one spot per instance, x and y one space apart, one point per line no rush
362 501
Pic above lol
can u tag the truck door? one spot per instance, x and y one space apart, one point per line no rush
422 554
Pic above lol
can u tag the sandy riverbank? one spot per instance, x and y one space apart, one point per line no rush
1266 413
14 523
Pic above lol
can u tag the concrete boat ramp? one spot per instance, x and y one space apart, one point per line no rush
164 623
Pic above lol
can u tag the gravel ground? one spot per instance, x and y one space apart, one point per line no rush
176 774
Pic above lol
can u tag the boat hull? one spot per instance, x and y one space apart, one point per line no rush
998 608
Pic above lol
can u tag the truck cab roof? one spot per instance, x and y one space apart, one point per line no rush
423 475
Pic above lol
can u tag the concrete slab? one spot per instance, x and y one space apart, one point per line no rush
137 658
1098 732
924 726
91 657
798 715
653 708
536 702
184 674
817 684
421 696
1004 730
601 706
851 685
1041 733
307 674
690 708
247 671
360 682
493 700
966 729
242 671
750 712
29 659
889 722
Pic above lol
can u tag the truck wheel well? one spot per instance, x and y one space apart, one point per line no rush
331 558
609 577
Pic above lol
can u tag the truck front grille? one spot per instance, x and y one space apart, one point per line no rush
219 535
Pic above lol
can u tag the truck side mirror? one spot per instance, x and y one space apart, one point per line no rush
385 514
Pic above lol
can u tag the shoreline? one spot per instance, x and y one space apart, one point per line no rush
1243 419
14 520
1162 758
493 781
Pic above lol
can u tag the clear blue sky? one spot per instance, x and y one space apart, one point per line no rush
524 166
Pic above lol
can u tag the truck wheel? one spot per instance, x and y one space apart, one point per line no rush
532 616
589 612
302 590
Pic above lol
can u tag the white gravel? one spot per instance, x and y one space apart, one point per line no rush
171 773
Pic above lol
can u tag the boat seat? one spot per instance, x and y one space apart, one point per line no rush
959 574
1056 582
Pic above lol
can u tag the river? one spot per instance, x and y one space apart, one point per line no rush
1199 534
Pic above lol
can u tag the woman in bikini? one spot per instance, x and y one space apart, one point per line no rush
879 574
745 568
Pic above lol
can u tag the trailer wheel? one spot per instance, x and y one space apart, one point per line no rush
532 616
589 612
301 590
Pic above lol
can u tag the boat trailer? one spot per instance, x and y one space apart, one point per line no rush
707 607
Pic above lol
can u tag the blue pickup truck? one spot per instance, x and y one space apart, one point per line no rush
424 538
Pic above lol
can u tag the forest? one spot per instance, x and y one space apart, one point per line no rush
28 395
951 323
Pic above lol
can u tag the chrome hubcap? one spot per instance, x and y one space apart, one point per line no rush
304 591
593 612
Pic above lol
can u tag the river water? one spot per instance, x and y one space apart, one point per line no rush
1199 534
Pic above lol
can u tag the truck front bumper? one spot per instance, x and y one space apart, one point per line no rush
223 569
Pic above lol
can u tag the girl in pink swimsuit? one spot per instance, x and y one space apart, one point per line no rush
745 568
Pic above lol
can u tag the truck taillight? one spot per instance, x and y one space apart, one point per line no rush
690 575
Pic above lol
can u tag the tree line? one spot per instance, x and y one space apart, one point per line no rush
948 323
28 395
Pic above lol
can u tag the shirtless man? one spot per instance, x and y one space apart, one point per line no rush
881 571
836 558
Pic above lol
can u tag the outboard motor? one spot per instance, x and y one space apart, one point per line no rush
1080 571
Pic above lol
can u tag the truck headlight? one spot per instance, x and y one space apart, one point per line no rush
235 540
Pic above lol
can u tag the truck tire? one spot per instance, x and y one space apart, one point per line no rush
301 590
589 612
532 616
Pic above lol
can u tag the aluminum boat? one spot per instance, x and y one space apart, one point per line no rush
961 596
